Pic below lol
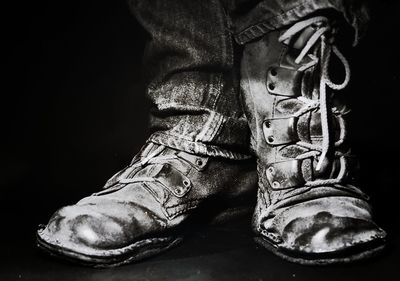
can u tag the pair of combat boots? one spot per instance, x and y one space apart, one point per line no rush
309 209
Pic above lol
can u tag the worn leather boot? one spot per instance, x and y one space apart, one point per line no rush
147 207
309 209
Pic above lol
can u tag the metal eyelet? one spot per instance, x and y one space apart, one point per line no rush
186 183
271 86
178 191
199 162
276 184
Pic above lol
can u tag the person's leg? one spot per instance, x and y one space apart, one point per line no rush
193 82
195 164
309 208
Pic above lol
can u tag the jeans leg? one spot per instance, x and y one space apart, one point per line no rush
193 83
253 19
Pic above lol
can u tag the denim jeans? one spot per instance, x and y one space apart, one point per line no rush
192 60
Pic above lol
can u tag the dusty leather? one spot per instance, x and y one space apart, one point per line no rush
148 203
292 215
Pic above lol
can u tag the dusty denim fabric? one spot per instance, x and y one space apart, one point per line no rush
260 17
193 82
193 66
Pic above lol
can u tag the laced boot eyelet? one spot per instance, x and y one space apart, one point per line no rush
186 183
276 185
178 191
271 86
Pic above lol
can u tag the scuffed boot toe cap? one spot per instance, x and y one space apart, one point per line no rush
324 234
82 230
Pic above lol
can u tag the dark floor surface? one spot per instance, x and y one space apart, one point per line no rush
73 113
216 253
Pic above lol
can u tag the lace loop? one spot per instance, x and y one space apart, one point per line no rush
326 49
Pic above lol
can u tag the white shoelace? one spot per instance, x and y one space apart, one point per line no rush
325 53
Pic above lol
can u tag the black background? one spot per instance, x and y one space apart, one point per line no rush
73 112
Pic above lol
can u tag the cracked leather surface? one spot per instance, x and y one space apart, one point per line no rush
149 202
292 215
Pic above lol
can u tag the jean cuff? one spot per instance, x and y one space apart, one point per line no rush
193 147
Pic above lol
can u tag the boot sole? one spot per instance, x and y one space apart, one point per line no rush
316 259
139 250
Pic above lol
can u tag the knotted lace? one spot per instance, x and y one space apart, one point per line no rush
325 49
